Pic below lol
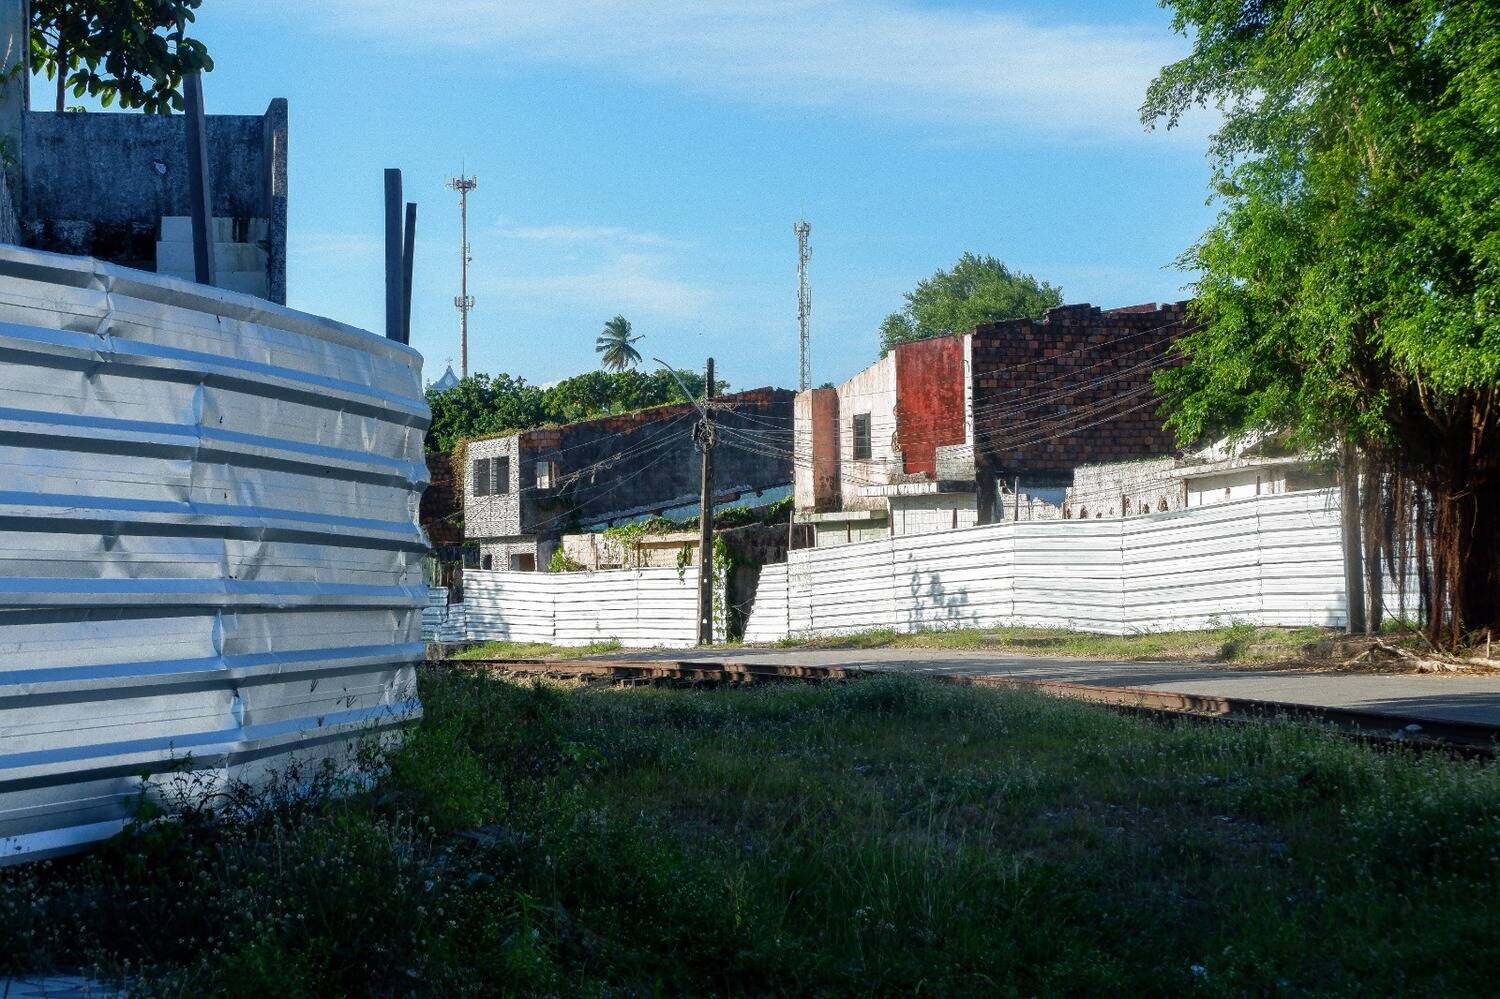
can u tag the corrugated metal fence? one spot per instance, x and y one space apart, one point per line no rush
208 539
636 607
1273 560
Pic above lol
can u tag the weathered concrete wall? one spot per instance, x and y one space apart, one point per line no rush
1071 388
930 401
618 467
932 513
816 447
99 184
872 392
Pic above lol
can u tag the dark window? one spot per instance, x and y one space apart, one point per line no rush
486 561
862 436
491 476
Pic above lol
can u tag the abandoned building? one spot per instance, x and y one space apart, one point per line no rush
523 491
114 187
955 431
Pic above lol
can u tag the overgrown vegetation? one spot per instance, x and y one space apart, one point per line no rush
136 52
536 650
892 836
481 405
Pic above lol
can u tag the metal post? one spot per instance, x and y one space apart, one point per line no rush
199 190
408 258
395 293
1354 576
1016 501
706 514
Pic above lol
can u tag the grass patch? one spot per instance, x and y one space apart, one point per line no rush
891 836
1243 644
536 650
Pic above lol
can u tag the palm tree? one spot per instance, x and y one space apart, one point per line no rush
614 345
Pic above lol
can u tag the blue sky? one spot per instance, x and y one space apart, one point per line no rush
649 158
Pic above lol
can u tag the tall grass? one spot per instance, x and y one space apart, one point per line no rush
888 836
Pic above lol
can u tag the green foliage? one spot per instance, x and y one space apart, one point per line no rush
1356 259
891 836
482 405
1351 285
615 345
135 52
979 289
562 562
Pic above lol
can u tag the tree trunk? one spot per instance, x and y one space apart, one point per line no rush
62 72
1373 531
1349 516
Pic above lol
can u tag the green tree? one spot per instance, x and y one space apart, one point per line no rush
977 290
614 345
1350 287
135 52
480 405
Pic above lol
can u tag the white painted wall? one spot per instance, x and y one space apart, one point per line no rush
872 391
1269 559
639 608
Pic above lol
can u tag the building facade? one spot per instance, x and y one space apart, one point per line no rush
967 429
523 491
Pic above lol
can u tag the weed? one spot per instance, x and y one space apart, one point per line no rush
888 836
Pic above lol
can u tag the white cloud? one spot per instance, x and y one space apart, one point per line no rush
636 284
571 234
873 58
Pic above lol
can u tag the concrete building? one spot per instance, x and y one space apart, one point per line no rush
114 185
1211 475
968 429
523 491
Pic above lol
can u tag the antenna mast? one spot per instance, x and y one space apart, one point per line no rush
804 301
463 301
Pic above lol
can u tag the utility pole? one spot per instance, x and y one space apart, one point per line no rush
200 191
463 301
705 443
804 303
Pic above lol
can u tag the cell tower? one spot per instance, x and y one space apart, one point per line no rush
804 300
463 301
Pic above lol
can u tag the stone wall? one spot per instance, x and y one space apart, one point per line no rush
442 516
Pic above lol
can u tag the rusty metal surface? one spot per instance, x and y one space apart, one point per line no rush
208 539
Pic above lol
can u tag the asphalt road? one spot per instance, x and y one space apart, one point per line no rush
1469 698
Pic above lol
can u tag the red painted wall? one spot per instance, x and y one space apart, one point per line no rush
929 400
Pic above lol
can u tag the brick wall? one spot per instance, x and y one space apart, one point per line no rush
441 514
616 467
1053 394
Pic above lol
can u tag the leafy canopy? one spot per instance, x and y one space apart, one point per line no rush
976 290
614 345
1351 284
135 52
481 405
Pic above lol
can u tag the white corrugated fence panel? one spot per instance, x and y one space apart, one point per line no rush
768 617
208 539
1067 575
954 579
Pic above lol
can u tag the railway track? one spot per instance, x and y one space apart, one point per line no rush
1469 738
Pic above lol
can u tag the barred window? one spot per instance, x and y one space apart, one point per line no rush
862 436
491 476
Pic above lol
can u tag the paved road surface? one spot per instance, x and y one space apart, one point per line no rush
1447 698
